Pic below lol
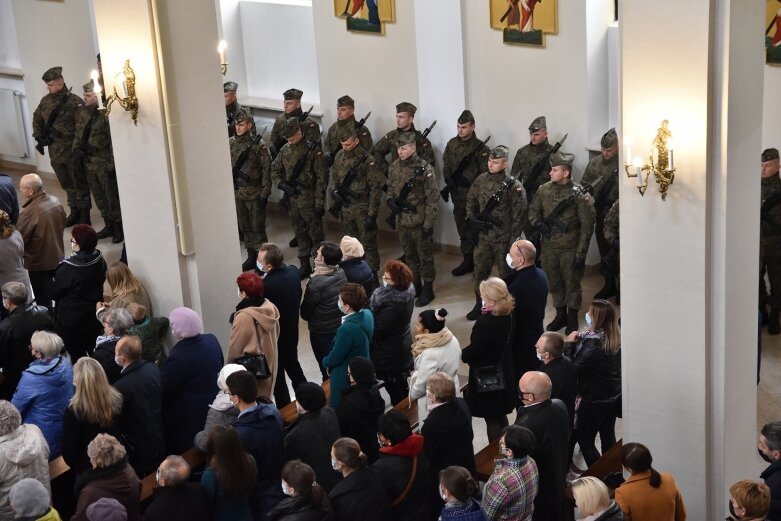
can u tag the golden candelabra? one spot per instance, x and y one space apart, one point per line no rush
128 101
663 168
221 47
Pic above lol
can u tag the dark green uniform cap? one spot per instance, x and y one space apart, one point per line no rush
242 115
466 117
539 123
89 87
291 127
562 158
770 154
52 74
346 132
406 138
345 101
292 94
229 86
609 138
406 106
499 152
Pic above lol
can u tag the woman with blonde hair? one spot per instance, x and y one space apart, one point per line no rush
94 409
593 502
12 256
126 288
491 391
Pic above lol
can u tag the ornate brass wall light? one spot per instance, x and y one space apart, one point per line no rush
125 81
223 60
663 167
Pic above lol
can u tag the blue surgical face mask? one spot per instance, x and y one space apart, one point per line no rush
260 267
587 318
384 283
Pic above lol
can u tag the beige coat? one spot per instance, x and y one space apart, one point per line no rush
244 340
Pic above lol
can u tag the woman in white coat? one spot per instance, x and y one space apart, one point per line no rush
435 349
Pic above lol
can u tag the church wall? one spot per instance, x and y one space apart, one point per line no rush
771 124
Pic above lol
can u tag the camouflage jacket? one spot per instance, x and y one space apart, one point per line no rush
525 158
606 192
770 222
63 126
331 143
578 217
424 195
314 175
456 150
510 213
230 115
387 145
97 145
368 181
611 224
309 128
257 169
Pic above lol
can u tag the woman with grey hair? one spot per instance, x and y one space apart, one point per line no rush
116 324
110 477
23 454
46 388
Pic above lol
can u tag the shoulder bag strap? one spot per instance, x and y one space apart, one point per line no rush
257 335
403 495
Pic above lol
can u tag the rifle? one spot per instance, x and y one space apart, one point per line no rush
613 177
400 203
457 179
552 222
305 115
342 194
329 157
767 205
426 132
239 177
292 185
46 138
509 10
532 182
484 220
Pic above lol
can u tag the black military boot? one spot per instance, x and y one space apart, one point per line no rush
472 315
73 217
773 325
426 294
559 321
608 290
306 268
763 316
107 231
252 257
293 242
467 266
572 321
84 216
119 232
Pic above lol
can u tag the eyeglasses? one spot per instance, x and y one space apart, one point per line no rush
73 241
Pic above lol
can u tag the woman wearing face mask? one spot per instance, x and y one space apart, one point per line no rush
749 501
305 500
351 340
596 353
457 488
510 491
593 502
359 496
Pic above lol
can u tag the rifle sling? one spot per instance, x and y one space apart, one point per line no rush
87 131
47 128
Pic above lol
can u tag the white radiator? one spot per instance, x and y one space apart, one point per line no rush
13 138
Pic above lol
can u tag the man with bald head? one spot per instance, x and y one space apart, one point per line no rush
549 420
41 223
529 286
176 498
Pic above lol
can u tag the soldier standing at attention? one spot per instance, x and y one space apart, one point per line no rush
418 213
292 109
232 106
359 196
498 228
54 126
770 240
612 259
299 170
563 213
405 122
464 159
345 117
94 157
604 166
251 163
523 166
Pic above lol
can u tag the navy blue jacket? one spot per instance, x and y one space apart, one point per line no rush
9 202
282 287
772 478
358 271
529 287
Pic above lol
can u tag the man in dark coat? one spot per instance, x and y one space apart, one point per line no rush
528 284
9 202
260 430
142 396
15 334
175 498
361 406
559 368
282 286
549 421
769 448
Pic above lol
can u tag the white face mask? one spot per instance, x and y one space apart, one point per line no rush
340 305
587 318
442 494
384 283
541 356
260 268
116 361
509 260
238 291
333 464
286 490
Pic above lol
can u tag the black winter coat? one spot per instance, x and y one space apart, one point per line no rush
282 287
613 513
395 472
186 501
310 440
15 334
772 478
563 376
487 343
319 306
360 497
77 433
104 353
358 271
301 509
599 372
391 342
358 411
447 434
529 287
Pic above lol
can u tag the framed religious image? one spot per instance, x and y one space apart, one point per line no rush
773 32
524 22
366 16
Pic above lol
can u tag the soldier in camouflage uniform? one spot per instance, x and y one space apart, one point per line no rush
232 107
605 193
405 117
94 157
457 149
613 258
416 228
497 230
53 126
358 214
565 240
251 163
306 192
292 107
525 158
770 240
345 117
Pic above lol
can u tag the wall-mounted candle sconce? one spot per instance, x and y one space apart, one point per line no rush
124 92
662 167
223 61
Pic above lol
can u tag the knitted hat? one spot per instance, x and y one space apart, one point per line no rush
106 509
185 322
362 370
351 248
311 396
29 498
85 236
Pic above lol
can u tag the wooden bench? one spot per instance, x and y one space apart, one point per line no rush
410 410
290 412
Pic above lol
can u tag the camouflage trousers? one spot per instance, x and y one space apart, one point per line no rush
602 244
462 222
252 222
353 220
563 277
488 254
770 264
72 178
308 227
102 181
418 252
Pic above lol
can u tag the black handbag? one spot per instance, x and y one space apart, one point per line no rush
255 364
490 378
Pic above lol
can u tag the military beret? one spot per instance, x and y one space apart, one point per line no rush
291 127
52 74
345 101
346 132
539 123
562 158
770 154
89 87
499 152
466 117
405 106
406 138
292 94
229 86
243 115
609 138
